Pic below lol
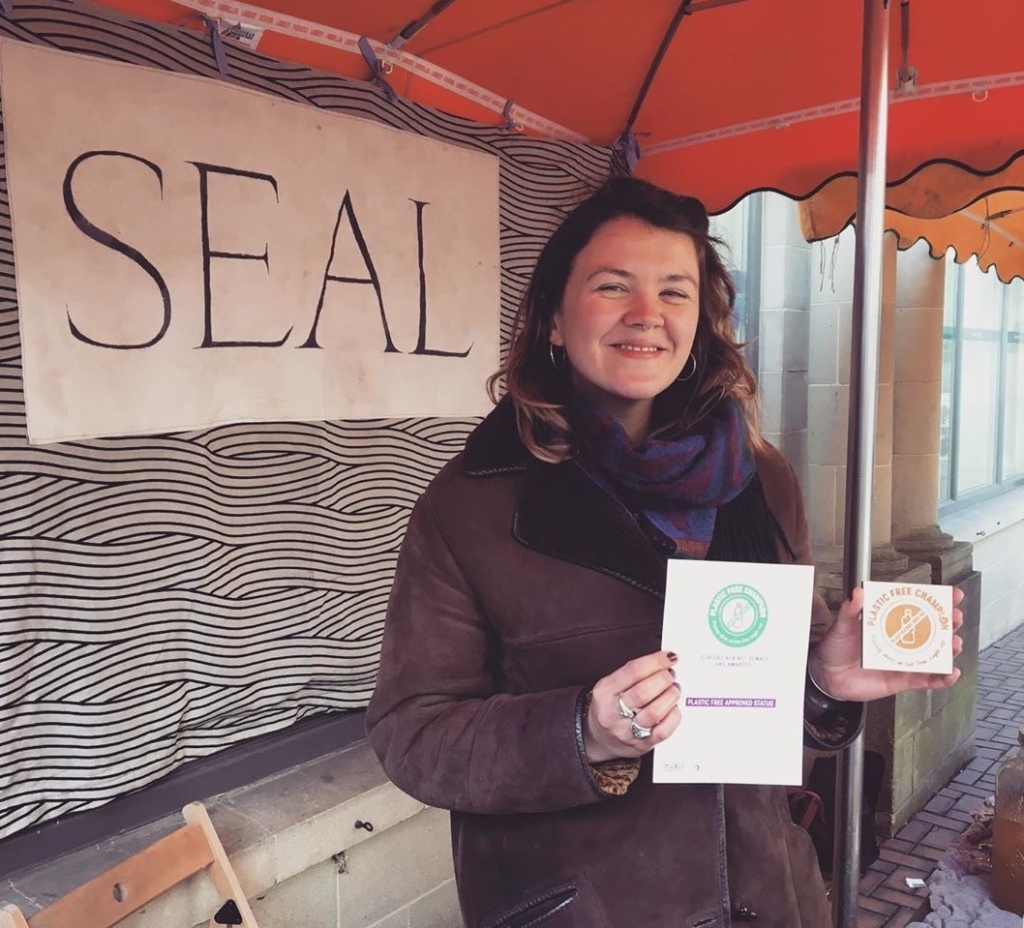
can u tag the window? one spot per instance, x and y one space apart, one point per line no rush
981 433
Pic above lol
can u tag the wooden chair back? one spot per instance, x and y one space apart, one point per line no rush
128 886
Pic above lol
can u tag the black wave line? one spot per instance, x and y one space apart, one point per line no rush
357 479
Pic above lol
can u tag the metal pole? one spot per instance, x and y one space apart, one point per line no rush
860 454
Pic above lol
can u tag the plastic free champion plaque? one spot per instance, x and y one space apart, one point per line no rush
740 631
908 626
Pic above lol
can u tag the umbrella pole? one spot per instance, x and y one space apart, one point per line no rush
860 454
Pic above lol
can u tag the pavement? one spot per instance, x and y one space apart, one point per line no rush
885 901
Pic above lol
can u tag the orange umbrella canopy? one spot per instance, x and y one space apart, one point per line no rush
748 94
946 204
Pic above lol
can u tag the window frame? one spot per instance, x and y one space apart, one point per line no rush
951 497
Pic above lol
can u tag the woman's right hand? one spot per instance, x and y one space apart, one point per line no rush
646 685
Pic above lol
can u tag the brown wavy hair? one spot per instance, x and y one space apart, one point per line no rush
538 390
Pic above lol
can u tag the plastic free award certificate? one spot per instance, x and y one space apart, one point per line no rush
740 631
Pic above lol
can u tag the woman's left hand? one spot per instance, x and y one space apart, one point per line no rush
834 664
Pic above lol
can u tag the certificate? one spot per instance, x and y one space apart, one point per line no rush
741 633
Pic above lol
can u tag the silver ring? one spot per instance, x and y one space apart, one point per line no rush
625 711
639 732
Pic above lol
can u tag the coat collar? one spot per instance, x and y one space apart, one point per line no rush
494 447
561 512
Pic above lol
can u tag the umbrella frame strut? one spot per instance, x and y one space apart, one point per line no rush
860 452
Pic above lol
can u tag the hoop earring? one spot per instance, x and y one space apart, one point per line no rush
551 354
681 378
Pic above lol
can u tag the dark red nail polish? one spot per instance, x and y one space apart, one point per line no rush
672 657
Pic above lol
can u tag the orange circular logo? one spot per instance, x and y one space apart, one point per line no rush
907 626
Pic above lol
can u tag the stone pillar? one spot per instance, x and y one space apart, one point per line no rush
783 331
886 561
828 378
828 401
920 298
920 295
926 737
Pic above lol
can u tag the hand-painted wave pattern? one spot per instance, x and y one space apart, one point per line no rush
165 597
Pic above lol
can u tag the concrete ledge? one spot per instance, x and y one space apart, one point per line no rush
984 517
293 841
995 527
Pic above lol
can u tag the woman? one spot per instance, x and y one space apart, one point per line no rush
521 685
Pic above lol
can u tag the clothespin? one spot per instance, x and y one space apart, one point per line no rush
213 34
627 149
378 69
510 121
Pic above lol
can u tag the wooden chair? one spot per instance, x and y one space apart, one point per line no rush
131 884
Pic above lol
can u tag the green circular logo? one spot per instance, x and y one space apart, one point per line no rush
738 615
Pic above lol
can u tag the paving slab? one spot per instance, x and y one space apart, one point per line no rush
885 900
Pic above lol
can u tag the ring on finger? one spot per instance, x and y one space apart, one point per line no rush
639 732
625 711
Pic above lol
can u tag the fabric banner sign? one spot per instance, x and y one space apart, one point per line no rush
189 253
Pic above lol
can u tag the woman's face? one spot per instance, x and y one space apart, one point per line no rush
628 317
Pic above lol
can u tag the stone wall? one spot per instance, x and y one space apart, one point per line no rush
995 529
299 856
927 736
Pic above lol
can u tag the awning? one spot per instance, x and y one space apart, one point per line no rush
746 94
945 203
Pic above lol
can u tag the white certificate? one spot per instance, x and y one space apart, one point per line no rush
740 631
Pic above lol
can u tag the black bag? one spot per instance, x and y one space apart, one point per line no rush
814 808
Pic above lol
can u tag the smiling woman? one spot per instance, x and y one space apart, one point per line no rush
628 318
520 685
632 275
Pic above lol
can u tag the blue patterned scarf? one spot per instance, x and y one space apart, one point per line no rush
675 486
